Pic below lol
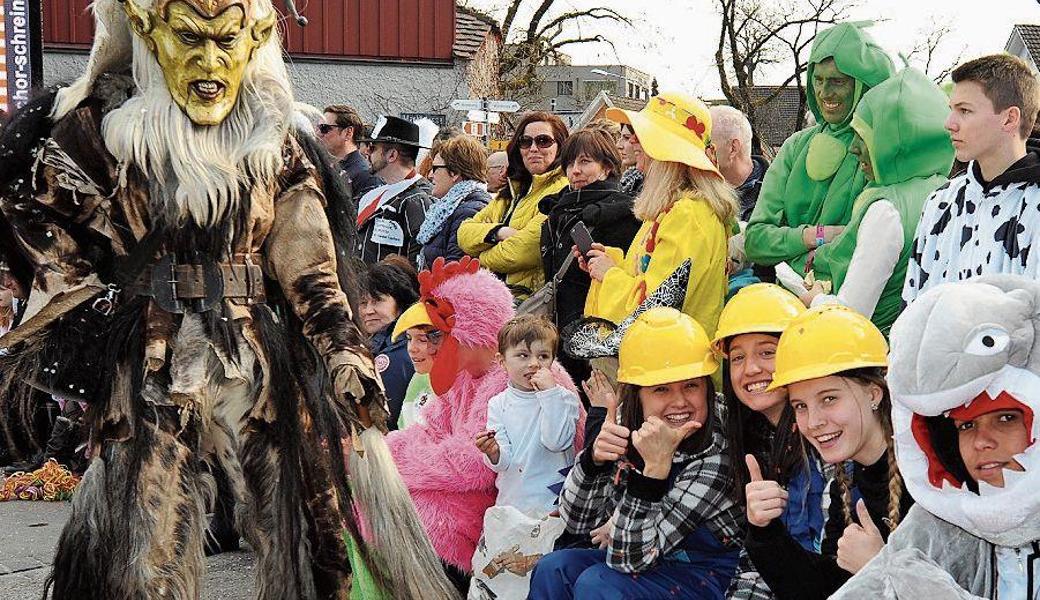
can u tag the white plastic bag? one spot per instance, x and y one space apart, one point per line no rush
507 552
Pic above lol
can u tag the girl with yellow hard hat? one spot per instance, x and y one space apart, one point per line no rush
759 421
654 487
832 361
686 209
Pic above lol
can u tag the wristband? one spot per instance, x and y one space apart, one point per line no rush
820 239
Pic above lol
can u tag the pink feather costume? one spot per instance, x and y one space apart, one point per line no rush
439 461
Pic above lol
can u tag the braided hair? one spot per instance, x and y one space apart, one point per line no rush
876 376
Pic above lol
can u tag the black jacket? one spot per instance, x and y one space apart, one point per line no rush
747 192
359 174
405 214
446 241
395 369
797 574
608 215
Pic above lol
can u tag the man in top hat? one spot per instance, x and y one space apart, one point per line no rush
389 216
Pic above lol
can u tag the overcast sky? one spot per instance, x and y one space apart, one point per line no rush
675 40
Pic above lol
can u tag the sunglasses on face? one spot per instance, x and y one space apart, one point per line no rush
542 141
433 168
324 128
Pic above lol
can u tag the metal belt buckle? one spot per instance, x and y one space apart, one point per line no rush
165 291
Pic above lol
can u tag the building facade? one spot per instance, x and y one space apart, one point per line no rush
568 90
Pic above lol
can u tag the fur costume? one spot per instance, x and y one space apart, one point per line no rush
439 460
956 345
233 344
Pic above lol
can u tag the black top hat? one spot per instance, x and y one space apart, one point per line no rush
396 131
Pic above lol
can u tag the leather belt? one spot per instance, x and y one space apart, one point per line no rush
180 288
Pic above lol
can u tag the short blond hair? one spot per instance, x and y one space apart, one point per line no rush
667 182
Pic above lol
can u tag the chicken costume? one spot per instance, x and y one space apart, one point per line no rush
438 459
962 344
175 233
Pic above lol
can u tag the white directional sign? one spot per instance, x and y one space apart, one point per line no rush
480 116
507 106
467 104
486 105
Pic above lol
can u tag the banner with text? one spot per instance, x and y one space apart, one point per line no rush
21 52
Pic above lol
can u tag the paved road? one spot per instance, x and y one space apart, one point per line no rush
29 532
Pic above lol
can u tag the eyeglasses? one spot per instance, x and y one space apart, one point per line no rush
324 128
433 168
542 141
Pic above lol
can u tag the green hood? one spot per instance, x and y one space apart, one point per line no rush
902 122
855 53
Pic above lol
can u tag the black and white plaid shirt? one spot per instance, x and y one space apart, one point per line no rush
652 517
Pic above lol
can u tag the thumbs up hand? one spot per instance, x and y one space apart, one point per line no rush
612 441
859 543
766 500
656 442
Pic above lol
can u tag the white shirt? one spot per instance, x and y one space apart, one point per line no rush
535 434
873 260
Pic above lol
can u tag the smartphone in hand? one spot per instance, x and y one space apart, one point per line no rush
582 238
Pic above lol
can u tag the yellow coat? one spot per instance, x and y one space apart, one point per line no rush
689 230
519 257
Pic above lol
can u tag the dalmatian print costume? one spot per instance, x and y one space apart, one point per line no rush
970 228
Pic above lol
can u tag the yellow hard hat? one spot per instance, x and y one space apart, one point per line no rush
664 345
757 308
415 316
672 127
827 340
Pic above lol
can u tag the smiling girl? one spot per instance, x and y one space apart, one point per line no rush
831 360
761 423
661 477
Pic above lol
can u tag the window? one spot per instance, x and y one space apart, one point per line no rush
631 91
564 88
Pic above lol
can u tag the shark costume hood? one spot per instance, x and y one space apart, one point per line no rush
959 345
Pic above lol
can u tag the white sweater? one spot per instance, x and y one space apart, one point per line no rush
535 434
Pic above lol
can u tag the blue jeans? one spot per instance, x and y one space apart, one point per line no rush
584 574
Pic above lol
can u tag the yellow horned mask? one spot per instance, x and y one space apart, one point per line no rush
203 48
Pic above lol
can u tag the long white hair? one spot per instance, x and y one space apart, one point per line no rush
199 171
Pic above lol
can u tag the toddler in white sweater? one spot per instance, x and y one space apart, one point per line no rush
529 440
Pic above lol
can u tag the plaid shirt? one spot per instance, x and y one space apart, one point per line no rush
653 516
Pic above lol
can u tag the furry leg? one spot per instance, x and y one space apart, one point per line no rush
136 524
282 571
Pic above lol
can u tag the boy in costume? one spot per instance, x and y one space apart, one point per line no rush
986 220
176 226
965 383
809 189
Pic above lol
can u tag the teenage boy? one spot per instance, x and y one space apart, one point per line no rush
986 220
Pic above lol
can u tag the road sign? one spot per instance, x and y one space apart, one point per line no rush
475 128
506 106
482 117
467 104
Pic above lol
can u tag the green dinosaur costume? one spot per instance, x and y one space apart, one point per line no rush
814 180
901 122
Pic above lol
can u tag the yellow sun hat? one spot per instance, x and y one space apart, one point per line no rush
415 316
672 127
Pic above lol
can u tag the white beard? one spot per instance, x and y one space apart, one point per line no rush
198 172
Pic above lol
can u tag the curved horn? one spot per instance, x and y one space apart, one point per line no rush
290 7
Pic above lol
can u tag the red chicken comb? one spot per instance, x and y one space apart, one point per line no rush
442 271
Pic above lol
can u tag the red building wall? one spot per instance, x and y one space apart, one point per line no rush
404 30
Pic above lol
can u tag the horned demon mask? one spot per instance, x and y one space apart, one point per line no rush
956 346
203 48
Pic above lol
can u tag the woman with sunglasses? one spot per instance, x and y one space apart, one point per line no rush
687 209
458 171
506 234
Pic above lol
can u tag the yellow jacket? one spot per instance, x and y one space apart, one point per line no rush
519 257
689 230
